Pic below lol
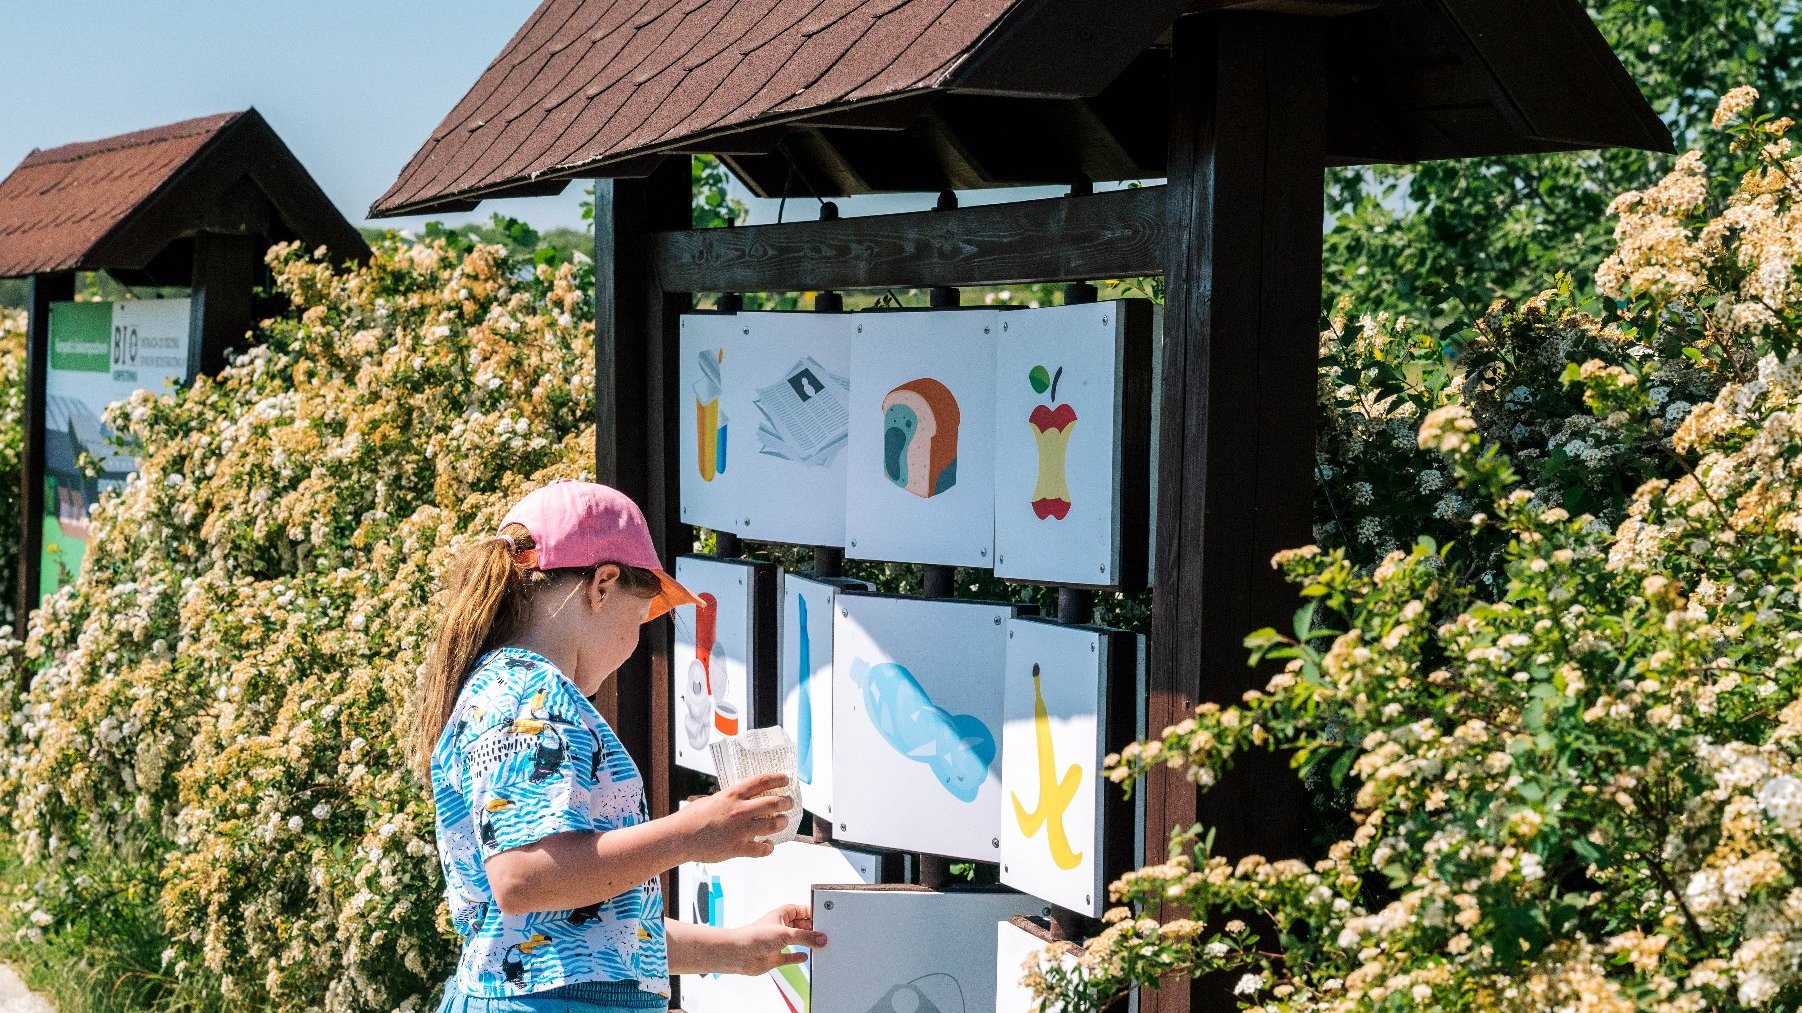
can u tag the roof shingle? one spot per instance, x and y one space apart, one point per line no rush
59 203
605 87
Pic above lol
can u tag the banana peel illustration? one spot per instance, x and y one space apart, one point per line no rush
1055 793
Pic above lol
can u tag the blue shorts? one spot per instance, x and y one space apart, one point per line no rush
580 997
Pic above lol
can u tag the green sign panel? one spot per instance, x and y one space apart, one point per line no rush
81 336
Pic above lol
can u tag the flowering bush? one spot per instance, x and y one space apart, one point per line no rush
12 440
1583 792
215 719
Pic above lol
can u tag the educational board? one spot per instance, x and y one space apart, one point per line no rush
805 674
909 949
100 353
916 723
920 479
763 424
711 676
1055 733
1020 942
731 893
1059 415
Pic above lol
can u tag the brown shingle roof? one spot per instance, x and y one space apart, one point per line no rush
847 96
115 203
58 203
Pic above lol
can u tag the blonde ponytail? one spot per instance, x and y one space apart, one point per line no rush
483 602
488 596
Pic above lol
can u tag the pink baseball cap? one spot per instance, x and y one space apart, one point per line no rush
583 523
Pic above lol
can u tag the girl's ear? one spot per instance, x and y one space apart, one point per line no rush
604 579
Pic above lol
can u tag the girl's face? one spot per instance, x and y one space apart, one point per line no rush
610 619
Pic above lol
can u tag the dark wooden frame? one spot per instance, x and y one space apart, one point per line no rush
1236 232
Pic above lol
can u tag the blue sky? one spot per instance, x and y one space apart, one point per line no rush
353 87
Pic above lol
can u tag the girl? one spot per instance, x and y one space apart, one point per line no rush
551 860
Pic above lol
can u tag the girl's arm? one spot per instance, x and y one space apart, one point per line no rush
756 948
578 868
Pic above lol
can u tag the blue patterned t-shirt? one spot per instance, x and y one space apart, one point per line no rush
525 756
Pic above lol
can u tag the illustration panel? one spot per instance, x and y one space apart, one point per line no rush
805 674
764 424
731 893
1059 412
1019 942
713 657
946 960
1056 729
920 479
916 723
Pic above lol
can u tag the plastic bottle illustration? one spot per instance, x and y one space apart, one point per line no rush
958 747
804 661
1051 424
1055 794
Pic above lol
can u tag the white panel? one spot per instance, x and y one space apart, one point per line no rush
732 893
706 362
806 681
920 480
909 951
916 733
1057 444
711 676
784 391
1052 746
1014 947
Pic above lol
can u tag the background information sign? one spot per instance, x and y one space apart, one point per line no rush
99 353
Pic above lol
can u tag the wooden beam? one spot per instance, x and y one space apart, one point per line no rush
221 310
42 290
1118 234
635 393
1236 450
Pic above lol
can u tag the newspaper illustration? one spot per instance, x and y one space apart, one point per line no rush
806 414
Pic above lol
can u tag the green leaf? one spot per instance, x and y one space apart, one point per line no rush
1040 378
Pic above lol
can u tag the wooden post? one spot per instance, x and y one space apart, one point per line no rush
635 392
1236 451
42 290
222 310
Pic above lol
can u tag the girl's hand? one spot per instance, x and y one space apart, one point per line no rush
759 947
726 824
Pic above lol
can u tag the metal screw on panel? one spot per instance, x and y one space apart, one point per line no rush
1010 634
845 612
1004 325
748 330
841 826
1104 568
860 328
995 842
1104 321
1004 868
1044 912
1086 900
828 905
854 543
997 620
1091 648
985 330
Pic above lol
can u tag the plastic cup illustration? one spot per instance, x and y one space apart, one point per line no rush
1051 429
725 717
710 422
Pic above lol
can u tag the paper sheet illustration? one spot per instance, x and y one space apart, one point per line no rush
806 415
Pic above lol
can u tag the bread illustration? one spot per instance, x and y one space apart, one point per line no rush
919 437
